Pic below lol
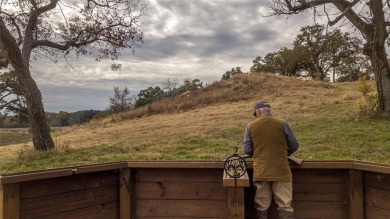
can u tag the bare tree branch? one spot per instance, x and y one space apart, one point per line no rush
34 4
331 23
31 25
63 47
9 45
303 5
15 24
354 18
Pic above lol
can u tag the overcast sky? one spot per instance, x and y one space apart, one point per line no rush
197 39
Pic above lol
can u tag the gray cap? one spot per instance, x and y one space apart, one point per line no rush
260 104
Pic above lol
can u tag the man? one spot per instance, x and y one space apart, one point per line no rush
269 141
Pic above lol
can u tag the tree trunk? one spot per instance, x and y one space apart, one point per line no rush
319 71
42 139
382 75
375 49
36 114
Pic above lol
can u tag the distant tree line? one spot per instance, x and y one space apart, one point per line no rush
121 101
13 107
53 119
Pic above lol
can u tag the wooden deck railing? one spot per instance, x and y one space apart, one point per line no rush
185 189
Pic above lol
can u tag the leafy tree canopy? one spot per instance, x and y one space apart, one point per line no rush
316 54
149 95
229 74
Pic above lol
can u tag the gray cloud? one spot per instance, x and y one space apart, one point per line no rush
197 39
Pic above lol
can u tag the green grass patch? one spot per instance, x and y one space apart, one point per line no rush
28 159
329 139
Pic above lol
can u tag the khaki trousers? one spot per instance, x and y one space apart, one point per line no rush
282 192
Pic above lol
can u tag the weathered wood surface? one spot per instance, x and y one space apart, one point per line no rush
236 198
354 192
125 194
179 193
183 208
320 210
236 203
102 211
377 195
39 188
228 181
178 175
376 213
71 195
315 191
318 191
9 201
178 190
32 176
45 174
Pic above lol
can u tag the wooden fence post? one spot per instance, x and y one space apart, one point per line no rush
354 186
9 201
236 199
125 194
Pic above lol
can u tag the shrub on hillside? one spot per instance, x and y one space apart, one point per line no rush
369 104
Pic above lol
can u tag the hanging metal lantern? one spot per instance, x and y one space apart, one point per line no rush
235 166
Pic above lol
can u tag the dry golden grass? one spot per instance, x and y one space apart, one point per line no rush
210 114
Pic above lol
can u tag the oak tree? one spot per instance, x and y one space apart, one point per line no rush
30 29
370 17
149 95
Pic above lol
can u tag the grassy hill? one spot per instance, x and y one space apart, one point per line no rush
207 124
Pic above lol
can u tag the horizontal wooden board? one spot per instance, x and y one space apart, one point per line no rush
48 205
320 210
103 211
376 213
181 208
44 174
179 217
377 180
67 184
34 175
178 175
100 167
372 167
177 164
319 192
179 190
378 198
319 176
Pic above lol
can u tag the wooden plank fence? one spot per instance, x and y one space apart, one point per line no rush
190 189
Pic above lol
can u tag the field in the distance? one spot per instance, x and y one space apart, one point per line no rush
14 136
206 125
